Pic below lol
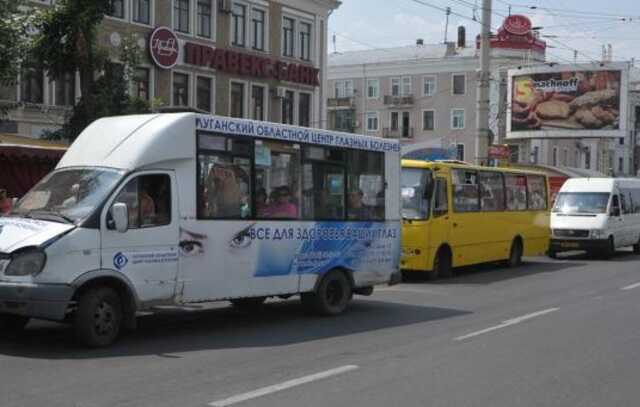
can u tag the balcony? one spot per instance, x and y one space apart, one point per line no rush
341 103
398 101
402 133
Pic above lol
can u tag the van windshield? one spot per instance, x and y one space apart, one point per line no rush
69 195
581 202
417 185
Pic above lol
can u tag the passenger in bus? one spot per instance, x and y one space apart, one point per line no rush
261 201
357 209
280 205
224 197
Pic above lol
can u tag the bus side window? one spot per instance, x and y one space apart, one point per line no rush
441 201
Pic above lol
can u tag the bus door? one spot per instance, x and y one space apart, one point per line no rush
440 225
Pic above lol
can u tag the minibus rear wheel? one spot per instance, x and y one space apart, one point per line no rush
331 296
12 323
99 317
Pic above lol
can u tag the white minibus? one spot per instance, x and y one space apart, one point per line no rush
171 209
597 215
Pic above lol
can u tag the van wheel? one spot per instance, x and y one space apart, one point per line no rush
636 247
610 251
12 323
442 267
99 317
248 304
515 254
332 295
552 254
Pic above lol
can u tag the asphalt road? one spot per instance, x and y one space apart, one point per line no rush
549 333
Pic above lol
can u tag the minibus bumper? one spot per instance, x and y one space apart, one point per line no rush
45 301
565 245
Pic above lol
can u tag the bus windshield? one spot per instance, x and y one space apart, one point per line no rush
417 185
581 202
68 195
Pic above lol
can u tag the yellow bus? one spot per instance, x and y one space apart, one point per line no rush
456 214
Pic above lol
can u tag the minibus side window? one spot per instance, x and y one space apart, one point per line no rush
466 196
516 188
537 192
615 206
441 200
491 191
148 199
323 178
365 185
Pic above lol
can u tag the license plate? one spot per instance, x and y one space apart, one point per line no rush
570 245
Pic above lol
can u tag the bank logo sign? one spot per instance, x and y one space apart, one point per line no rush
163 46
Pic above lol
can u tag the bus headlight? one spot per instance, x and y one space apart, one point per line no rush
597 234
29 262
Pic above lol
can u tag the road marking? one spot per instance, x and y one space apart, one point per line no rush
282 386
507 323
631 287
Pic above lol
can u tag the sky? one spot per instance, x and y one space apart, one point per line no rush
582 25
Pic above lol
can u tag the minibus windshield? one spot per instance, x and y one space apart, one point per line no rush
68 195
417 185
581 202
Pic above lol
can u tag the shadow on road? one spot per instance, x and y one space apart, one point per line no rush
276 324
620 256
490 273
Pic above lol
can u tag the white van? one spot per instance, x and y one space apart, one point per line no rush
171 209
597 215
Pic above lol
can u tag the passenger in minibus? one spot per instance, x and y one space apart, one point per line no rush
357 209
280 205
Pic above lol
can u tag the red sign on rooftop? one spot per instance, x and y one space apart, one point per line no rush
163 46
517 24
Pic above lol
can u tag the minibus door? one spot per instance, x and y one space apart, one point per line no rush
616 222
147 251
440 225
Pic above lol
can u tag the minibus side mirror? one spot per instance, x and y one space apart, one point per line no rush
120 214
615 212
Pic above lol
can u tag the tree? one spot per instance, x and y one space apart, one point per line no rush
67 42
13 43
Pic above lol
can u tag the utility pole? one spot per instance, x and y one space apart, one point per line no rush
446 24
482 113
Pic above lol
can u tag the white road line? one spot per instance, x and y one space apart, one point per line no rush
507 323
282 386
631 287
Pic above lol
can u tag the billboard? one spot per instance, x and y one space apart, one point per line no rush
567 101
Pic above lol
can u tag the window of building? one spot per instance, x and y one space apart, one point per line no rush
491 191
459 84
460 152
204 92
239 24
257 102
148 199
576 158
344 89
395 87
428 120
565 157
142 11
287 107
288 30
9 90
429 87
466 195
620 165
554 157
258 20
181 15
180 89
305 41
204 18
373 88
237 100
587 159
344 120
323 183
372 121
395 121
535 155
224 177
32 85
457 119
304 109
621 141
116 8
278 192
516 187
406 86
66 89
365 185
536 192
141 83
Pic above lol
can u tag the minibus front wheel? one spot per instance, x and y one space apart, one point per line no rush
99 317
12 323
332 294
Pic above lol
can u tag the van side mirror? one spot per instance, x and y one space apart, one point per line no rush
120 214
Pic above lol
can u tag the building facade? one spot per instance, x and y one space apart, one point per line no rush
258 59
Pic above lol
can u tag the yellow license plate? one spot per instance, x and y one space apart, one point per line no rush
570 245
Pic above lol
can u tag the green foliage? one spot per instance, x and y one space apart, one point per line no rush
13 43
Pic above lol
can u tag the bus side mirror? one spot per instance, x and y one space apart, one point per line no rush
120 214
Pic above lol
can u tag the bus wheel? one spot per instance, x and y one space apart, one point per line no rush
442 267
515 254
248 304
332 295
99 317
12 323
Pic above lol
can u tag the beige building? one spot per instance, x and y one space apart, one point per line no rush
256 59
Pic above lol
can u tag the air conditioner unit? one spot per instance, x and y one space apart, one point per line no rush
224 6
280 92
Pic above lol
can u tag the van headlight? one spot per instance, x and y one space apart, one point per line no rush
597 234
25 263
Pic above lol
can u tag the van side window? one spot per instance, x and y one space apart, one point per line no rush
148 199
323 177
441 199
277 180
